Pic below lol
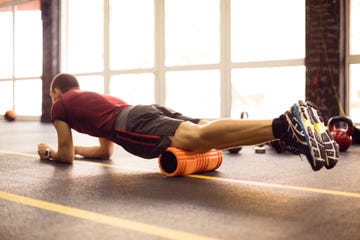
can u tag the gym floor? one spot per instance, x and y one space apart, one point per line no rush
251 196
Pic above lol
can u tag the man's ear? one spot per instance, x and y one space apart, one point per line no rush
57 92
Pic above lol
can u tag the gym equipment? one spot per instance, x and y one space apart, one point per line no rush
177 162
260 148
10 115
342 129
243 115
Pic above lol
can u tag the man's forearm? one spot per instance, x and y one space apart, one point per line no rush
92 152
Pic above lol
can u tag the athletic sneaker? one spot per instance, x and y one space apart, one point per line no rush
305 132
331 147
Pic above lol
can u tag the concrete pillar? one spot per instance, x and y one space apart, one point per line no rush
50 13
325 55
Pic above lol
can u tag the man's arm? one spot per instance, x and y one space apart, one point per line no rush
104 151
65 151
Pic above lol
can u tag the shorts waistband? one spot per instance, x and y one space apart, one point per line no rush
120 121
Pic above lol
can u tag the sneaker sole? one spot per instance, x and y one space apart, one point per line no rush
316 154
331 147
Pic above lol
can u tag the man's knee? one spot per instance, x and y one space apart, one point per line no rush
190 136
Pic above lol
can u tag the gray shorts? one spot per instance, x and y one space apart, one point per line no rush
144 130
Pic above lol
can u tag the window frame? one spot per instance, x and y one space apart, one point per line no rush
349 58
15 6
160 69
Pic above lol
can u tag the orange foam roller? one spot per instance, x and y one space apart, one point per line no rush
177 162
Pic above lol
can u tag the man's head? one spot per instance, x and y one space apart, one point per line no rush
62 83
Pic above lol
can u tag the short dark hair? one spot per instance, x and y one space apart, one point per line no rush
64 82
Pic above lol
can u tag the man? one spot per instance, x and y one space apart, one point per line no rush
148 130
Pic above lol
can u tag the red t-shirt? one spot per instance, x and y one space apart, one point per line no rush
88 112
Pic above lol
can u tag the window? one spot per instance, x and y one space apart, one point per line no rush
93 83
193 56
355 92
266 92
85 45
354 27
7 95
21 58
194 93
6 43
354 61
133 88
131 34
27 43
264 50
193 41
267 30
192 32
28 97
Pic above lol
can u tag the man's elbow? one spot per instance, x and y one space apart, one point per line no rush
67 161
106 155
68 158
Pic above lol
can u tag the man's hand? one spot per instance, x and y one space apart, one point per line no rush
44 150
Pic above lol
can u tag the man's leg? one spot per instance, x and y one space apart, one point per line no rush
301 130
221 134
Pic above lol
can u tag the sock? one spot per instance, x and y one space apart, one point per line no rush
278 127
